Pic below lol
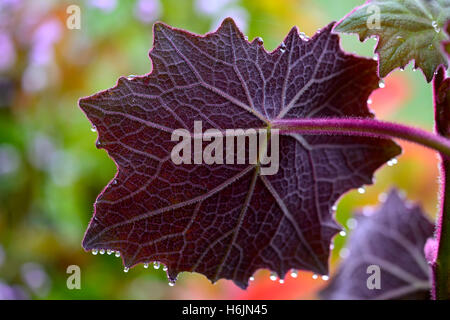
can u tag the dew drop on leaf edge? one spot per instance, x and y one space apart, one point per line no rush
435 25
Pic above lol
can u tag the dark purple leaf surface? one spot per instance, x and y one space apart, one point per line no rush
441 88
446 44
393 237
227 221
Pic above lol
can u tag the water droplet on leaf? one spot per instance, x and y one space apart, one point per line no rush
273 276
342 233
294 273
126 269
94 129
362 190
102 251
315 276
303 36
156 265
94 252
392 162
325 278
145 265
435 25
381 84
117 254
109 251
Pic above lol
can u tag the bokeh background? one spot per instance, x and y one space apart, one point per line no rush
51 172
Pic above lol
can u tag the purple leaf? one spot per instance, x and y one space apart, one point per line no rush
222 220
391 238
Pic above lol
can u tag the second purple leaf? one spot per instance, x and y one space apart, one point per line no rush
386 255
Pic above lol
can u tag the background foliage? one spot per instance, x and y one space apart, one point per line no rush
51 172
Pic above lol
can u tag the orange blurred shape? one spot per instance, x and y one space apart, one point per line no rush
197 287
303 287
393 96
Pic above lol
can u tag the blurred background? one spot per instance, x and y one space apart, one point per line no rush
51 172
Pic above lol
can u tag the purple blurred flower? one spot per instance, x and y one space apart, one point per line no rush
104 5
147 11
239 15
9 162
41 151
34 78
10 4
44 38
11 292
34 276
212 7
8 53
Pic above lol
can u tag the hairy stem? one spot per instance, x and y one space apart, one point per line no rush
441 263
441 267
364 127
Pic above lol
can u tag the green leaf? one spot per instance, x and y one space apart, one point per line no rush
406 29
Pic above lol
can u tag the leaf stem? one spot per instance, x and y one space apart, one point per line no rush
441 267
366 128
441 260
